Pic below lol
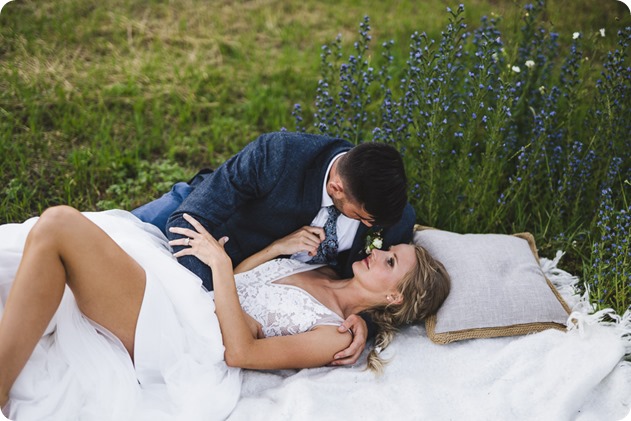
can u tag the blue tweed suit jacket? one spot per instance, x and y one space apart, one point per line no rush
267 191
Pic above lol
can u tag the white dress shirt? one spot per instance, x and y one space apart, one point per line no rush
346 227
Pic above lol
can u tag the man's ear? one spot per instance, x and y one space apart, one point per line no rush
336 188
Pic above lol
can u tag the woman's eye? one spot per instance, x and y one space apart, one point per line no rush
391 262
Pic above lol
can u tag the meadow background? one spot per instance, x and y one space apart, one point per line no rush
510 116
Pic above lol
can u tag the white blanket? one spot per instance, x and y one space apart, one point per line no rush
552 375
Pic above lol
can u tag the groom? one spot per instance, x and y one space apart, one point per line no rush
283 181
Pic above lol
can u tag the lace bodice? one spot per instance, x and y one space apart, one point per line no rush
281 309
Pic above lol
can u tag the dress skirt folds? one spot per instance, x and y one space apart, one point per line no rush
80 371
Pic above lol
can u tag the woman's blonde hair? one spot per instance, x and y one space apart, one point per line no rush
424 289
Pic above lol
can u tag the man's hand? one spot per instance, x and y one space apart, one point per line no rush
358 328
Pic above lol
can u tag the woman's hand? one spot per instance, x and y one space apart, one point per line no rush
201 244
305 239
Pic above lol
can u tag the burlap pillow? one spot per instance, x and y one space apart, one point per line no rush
497 286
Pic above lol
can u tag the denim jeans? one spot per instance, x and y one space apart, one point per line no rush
158 211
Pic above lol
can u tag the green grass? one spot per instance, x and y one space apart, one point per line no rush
105 104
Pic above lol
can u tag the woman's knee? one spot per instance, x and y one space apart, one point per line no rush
54 221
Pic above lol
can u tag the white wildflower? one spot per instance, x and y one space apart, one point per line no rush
530 64
516 69
602 32
575 35
542 89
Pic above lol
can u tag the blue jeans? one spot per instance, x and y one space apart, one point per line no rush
158 211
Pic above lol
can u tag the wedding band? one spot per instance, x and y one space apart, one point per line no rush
187 242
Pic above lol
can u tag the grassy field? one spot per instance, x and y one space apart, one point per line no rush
106 104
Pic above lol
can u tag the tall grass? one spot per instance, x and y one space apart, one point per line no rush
105 104
501 134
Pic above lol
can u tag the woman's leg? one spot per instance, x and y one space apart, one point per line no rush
66 247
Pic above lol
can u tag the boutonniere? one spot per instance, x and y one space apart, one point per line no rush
374 240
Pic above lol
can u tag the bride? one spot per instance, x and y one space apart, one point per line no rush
101 322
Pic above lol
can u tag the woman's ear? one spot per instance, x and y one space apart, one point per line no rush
397 298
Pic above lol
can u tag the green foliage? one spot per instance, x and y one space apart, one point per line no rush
499 134
104 104
609 273
156 178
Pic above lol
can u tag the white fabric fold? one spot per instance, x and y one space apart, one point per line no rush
78 372
578 375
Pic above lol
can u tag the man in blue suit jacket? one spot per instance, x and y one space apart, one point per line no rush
280 183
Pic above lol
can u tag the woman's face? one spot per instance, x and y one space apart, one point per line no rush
383 270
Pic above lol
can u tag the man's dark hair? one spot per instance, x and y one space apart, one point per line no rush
373 176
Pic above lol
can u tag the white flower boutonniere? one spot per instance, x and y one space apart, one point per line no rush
373 241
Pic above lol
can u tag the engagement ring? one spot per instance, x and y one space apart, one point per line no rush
187 241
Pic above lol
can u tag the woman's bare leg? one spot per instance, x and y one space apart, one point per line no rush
65 247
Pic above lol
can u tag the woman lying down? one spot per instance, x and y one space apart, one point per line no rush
135 336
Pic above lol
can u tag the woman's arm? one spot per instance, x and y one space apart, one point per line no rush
315 348
311 349
304 239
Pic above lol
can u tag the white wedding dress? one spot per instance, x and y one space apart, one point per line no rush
80 371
